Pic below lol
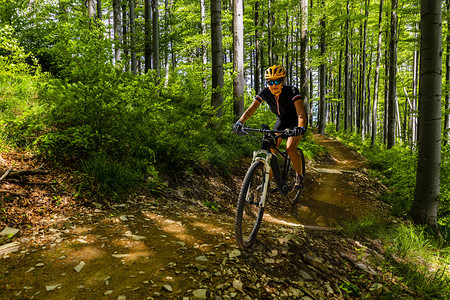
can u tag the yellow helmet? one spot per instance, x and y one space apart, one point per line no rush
275 72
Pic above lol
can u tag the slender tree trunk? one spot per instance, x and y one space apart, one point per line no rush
125 36
132 5
117 31
99 9
392 111
91 9
238 57
426 201
322 78
304 52
414 100
269 34
217 56
363 72
155 34
347 71
338 109
203 32
447 81
257 50
148 36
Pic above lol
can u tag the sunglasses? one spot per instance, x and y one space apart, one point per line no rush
272 82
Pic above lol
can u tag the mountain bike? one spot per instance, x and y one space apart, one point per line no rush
255 187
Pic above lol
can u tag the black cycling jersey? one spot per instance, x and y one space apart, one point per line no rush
284 108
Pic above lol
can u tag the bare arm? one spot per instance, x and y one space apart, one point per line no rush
300 113
250 111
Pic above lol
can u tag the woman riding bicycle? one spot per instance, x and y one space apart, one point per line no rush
285 102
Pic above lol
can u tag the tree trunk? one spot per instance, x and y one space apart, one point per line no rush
132 5
238 57
392 114
117 31
447 81
338 109
363 73
148 36
91 9
217 57
269 35
426 200
125 36
414 100
256 84
347 72
322 78
155 34
99 9
304 52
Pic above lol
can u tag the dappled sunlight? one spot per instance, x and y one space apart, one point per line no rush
211 228
85 253
175 228
270 218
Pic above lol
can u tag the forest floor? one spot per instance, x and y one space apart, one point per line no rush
172 246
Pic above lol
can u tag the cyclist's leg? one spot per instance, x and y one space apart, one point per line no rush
291 148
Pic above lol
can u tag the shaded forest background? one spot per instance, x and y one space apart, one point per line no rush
129 92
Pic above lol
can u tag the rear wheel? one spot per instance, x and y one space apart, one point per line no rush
294 193
249 211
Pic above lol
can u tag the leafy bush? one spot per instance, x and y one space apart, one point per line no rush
17 88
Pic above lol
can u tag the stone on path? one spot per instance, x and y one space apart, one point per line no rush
167 288
79 267
52 287
199 294
9 231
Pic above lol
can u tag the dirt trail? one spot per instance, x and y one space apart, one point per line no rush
167 248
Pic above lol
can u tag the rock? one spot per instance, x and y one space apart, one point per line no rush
269 260
199 294
305 275
122 297
234 253
366 269
79 267
9 231
315 262
167 288
52 287
201 258
120 255
237 284
9 247
39 265
108 292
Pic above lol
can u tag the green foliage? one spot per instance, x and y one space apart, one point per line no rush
17 86
444 208
416 260
368 227
109 176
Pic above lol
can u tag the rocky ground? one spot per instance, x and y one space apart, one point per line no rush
175 246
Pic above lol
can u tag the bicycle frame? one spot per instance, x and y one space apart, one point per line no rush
270 162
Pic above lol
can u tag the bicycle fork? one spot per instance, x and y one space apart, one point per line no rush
265 157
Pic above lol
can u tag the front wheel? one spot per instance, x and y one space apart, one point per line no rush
294 193
250 211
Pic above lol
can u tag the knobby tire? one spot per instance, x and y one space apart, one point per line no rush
249 213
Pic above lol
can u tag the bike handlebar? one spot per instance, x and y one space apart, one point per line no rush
284 133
